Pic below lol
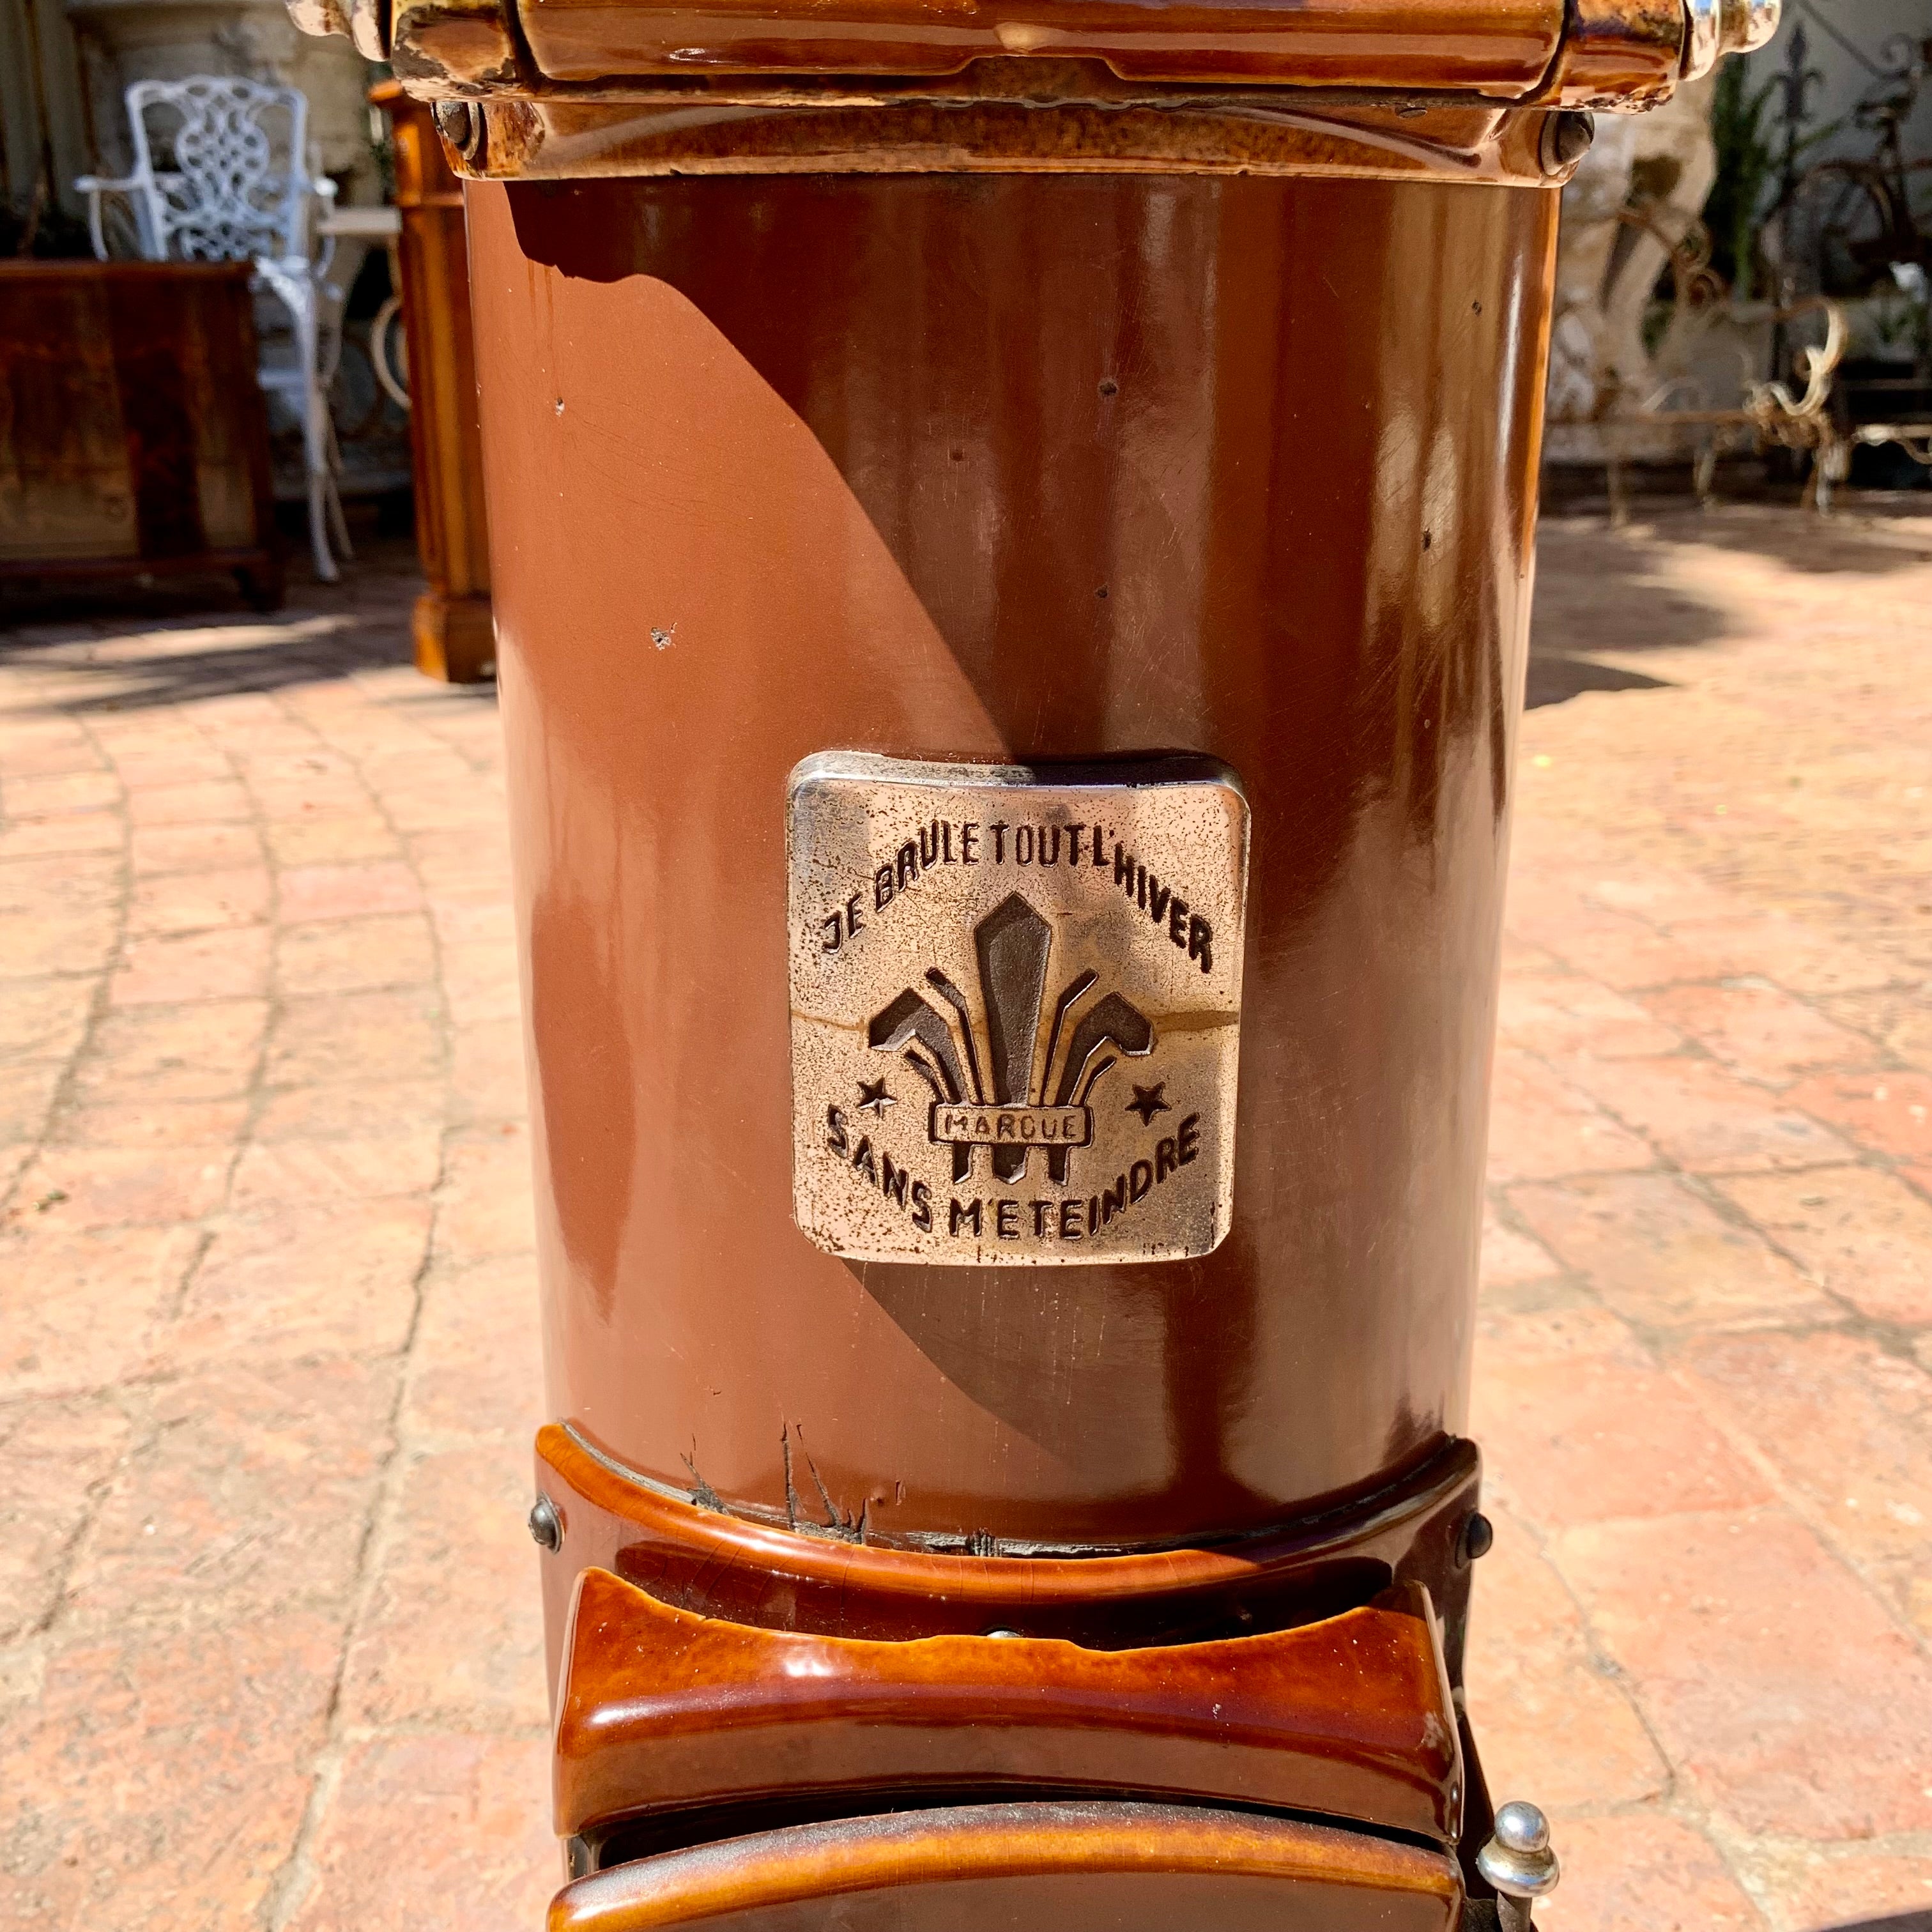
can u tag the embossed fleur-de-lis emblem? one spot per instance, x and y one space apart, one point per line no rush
993 1102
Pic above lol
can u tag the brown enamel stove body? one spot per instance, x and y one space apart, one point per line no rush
1010 469
1013 531
1001 469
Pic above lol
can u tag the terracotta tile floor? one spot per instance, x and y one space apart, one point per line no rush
268 1645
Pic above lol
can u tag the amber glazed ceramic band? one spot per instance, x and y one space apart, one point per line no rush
1351 1717
1007 1867
1590 53
539 89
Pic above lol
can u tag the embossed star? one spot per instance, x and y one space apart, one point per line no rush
1149 1101
872 1094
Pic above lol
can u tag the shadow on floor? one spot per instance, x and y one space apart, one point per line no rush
268 654
1603 591
174 643
1904 1922
1556 675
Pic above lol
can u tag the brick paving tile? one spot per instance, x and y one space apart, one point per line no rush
331 842
1644 1871
1556 1013
202 1051
1662 1256
68 832
54 1456
1847 1426
1706 1118
29 1092
1899 1019
477 1337
157 1780
1511 1258
457 1537
288 1280
213 801
115 1122
474 1811
31 888
1548 1710
157 850
348 1111
109 1186
1785 1695
69 942
1891 1113
1563 1449
338 1167
246 1500
397 1035
1540 1125
173 902
1850 1886
356 955
356 892
485 1195
171 969
1865 1235
1760 1031
82 1309
44 1018
267 1608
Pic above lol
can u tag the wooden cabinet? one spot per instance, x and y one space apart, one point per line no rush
454 639
133 436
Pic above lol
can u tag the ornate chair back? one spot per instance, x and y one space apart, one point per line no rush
220 171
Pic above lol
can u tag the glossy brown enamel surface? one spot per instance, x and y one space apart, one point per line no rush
992 468
1350 1717
1078 1867
808 1578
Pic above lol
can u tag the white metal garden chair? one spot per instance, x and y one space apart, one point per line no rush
222 174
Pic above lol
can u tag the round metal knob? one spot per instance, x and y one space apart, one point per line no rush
1517 1861
1479 1537
461 124
1566 139
546 1525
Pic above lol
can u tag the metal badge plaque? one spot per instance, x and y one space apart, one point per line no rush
1016 1008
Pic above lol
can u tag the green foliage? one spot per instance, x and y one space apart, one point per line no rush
1747 163
1749 135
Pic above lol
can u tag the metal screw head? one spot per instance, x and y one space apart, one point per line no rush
1479 1536
1517 1861
460 125
546 1525
1566 139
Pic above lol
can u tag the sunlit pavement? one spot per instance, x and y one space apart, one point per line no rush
268 1638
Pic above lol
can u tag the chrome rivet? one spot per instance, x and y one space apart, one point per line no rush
1518 1862
546 1525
